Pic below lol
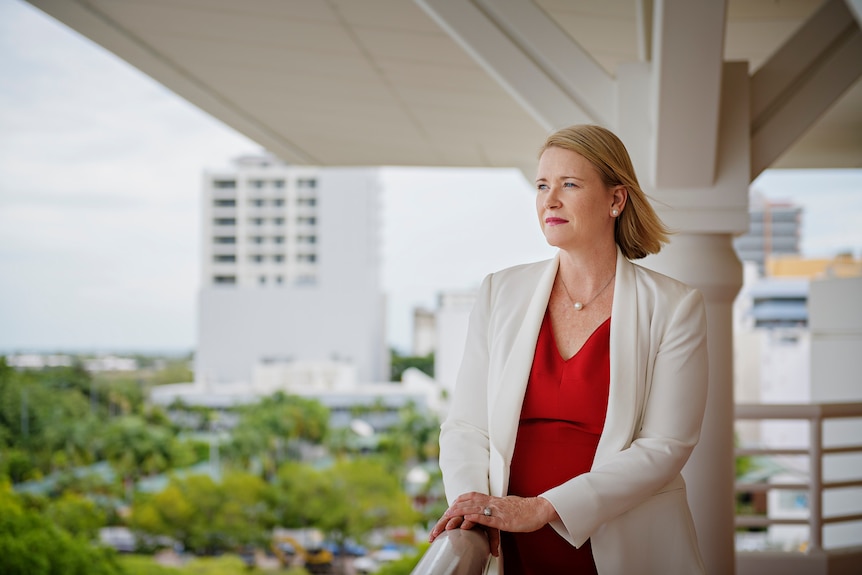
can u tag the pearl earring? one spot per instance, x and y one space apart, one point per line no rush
615 212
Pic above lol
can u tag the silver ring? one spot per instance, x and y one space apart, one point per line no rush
487 512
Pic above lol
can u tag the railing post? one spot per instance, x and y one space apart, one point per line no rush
815 489
455 552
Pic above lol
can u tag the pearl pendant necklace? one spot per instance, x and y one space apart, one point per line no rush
578 305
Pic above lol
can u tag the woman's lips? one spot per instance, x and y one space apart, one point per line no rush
555 221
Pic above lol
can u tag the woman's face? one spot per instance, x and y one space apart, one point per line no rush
573 203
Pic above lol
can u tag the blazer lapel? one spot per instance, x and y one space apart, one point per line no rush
503 424
625 363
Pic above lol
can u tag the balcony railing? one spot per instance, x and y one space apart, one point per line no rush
815 415
465 552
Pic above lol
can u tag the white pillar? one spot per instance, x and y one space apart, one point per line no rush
709 263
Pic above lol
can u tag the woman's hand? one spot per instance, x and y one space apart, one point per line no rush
511 513
448 522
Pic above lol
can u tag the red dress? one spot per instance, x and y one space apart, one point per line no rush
561 420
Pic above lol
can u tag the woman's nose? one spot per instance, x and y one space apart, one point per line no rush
552 198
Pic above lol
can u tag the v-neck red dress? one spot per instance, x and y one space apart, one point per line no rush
562 418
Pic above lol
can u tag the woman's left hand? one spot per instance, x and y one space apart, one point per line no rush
510 513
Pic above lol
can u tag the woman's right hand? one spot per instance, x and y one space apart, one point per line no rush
446 523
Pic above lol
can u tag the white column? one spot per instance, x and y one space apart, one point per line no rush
709 263
701 254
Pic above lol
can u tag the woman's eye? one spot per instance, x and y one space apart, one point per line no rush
542 187
568 184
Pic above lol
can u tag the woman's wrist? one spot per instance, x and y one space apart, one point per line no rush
546 510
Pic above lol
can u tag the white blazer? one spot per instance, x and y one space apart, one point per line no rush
632 503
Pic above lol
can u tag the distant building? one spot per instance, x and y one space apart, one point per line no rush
424 331
775 229
453 315
290 271
798 339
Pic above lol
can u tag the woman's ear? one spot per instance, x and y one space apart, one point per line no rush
620 197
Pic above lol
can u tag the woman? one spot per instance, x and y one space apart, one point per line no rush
583 385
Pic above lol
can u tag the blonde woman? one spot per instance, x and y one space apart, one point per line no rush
583 385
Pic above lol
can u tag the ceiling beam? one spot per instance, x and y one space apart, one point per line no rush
802 80
537 89
558 55
92 23
644 29
687 60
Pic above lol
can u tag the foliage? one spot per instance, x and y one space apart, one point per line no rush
400 363
361 495
206 516
45 420
137 448
346 501
414 438
269 429
174 370
76 514
224 565
55 423
30 544
405 565
300 495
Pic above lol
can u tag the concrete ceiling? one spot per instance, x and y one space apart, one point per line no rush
378 82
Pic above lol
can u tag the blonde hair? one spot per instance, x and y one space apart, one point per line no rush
638 230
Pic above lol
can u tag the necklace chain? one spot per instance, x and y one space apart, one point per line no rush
580 305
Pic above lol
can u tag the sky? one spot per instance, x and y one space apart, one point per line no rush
100 177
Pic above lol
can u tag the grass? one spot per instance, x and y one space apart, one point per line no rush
224 565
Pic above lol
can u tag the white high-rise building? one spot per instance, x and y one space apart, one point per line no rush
291 270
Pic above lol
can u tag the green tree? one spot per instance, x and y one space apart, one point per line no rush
400 363
76 514
30 544
270 429
360 496
136 448
206 516
300 496
414 438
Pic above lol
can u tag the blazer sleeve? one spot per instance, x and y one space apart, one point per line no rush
464 443
670 428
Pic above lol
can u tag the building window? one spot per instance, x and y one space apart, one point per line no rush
256 221
225 258
225 221
309 258
306 220
256 183
224 203
306 239
225 239
278 183
278 221
306 201
257 239
261 280
278 258
257 258
257 202
279 280
309 183
224 183
278 239
224 280
278 202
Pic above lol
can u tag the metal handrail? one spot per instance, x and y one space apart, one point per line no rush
455 552
815 414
